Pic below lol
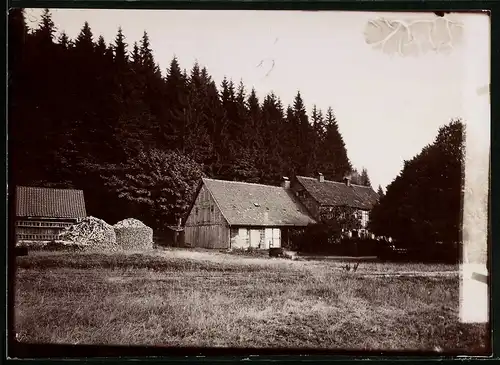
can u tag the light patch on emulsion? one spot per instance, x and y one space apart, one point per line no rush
414 37
474 289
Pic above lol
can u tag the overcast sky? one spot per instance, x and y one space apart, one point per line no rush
388 107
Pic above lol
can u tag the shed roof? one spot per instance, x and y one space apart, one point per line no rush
251 204
333 193
49 203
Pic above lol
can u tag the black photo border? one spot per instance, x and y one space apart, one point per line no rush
47 353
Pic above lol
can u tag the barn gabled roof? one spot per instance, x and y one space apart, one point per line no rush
49 203
333 193
251 204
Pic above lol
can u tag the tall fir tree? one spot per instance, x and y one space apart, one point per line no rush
380 192
275 160
317 139
335 164
364 178
173 126
44 34
136 58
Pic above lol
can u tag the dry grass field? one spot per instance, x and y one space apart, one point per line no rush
213 299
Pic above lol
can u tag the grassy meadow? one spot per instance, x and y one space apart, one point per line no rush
214 299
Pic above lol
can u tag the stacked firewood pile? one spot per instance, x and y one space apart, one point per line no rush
132 234
92 233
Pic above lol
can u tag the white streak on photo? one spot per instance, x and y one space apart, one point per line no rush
474 296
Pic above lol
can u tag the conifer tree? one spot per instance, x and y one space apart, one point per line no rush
173 127
120 50
254 111
364 178
84 40
44 35
380 192
146 55
64 41
334 162
136 58
296 121
317 140
274 161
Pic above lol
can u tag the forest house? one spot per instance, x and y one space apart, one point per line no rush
42 213
322 196
230 214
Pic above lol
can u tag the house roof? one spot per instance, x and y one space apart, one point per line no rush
333 193
49 203
257 205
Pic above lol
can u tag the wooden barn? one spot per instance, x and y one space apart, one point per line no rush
320 196
230 214
42 213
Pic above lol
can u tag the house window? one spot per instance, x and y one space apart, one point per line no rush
364 215
272 237
244 235
211 208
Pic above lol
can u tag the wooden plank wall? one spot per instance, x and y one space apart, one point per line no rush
37 230
205 226
207 236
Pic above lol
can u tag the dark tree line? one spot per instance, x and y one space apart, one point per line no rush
89 114
422 205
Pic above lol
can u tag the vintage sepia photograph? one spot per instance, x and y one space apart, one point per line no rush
259 180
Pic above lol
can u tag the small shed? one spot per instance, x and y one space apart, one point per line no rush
42 213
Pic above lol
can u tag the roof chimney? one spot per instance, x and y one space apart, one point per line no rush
321 178
285 183
347 180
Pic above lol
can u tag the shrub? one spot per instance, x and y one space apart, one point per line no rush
317 238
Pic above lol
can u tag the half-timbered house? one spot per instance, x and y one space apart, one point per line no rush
321 196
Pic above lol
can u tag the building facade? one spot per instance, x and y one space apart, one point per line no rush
42 213
230 214
322 197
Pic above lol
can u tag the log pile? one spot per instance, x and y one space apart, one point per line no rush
132 234
91 233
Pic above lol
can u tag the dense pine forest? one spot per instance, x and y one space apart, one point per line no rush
104 118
